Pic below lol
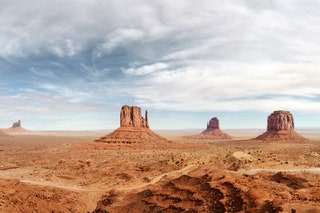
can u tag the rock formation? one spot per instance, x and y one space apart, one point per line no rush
280 128
213 123
134 129
16 124
213 131
15 128
131 117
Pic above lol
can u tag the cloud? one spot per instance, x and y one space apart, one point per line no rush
146 69
231 86
173 55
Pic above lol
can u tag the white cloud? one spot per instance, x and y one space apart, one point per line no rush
146 69
232 86
183 55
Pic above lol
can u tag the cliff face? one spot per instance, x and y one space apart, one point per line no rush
213 123
281 128
130 116
280 120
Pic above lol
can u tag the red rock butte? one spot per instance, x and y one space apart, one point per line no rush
134 129
15 128
281 128
213 131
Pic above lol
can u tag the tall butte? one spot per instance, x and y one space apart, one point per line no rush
212 131
281 128
134 129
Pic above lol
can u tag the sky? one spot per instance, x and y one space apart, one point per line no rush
71 65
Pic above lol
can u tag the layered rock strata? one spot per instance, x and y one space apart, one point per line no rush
130 116
134 129
281 128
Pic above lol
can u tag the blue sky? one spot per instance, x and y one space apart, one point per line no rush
72 64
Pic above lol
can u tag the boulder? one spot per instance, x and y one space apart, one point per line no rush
280 127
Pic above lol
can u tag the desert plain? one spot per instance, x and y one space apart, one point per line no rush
70 172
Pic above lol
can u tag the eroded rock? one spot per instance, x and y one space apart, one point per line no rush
134 129
16 124
281 128
130 116
213 131
213 123
280 120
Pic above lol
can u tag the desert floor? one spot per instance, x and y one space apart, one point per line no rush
69 172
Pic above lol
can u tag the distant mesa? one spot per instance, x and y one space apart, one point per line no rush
16 124
213 131
281 128
15 128
134 129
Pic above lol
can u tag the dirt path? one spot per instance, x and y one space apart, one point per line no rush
171 174
257 170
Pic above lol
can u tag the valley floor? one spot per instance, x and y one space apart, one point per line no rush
69 172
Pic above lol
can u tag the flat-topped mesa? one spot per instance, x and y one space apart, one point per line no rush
130 116
280 120
213 123
281 128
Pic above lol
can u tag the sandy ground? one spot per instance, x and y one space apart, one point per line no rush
68 172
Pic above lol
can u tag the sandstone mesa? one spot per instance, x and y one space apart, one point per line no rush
281 128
